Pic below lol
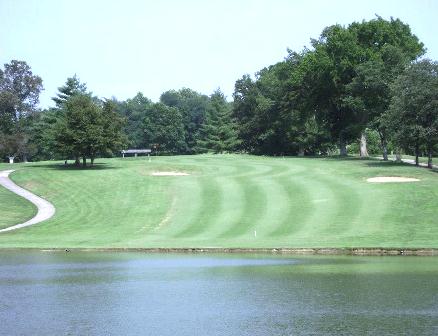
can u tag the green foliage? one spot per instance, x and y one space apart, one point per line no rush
244 108
19 96
327 95
72 87
218 134
374 145
43 135
87 129
413 114
164 129
274 113
193 108
134 111
389 46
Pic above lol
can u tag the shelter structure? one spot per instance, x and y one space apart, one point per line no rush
135 152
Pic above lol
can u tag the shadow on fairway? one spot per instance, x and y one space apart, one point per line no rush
381 164
347 158
67 167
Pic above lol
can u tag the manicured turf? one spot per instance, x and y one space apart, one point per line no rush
289 202
14 209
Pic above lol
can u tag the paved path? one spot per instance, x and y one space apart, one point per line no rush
410 161
420 164
45 209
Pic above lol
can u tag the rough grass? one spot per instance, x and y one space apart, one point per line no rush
290 202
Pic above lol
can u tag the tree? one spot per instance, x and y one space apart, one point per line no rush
332 65
219 132
275 113
193 108
244 111
304 132
42 135
87 129
113 138
164 129
134 111
19 97
413 113
72 87
388 47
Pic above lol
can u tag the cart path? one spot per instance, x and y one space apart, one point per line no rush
45 209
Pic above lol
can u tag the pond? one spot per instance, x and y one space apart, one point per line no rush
88 293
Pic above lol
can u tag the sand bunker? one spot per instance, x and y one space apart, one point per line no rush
386 179
169 173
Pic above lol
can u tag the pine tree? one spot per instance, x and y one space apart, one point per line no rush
219 132
72 87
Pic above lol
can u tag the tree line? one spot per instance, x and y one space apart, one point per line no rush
364 81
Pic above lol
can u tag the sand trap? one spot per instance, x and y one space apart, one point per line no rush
386 179
171 173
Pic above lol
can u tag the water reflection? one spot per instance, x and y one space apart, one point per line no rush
138 294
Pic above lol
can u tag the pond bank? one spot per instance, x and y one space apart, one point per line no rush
354 251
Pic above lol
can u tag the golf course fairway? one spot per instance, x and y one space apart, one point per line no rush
237 201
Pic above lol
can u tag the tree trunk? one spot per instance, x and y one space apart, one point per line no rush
24 158
342 146
363 146
385 152
384 146
417 154
429 158
300 150
84 161
77 161
92 160
398 156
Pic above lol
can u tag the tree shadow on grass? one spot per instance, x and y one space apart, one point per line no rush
73 167
347 158
323 157
381 164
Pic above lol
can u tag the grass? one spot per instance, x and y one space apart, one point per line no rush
289 202
14 209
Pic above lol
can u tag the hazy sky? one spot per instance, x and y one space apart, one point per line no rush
121 47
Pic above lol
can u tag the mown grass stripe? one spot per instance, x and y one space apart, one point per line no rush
293 202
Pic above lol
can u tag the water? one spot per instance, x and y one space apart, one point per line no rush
43 293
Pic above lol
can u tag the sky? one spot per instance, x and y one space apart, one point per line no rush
119 48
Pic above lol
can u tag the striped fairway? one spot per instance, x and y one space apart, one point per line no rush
290 202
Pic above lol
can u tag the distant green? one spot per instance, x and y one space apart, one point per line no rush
227 201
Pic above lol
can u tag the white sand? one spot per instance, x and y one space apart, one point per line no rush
171 173
386 179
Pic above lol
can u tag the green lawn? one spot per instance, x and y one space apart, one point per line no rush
290 202
14 209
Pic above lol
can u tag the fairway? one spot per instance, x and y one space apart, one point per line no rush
225 201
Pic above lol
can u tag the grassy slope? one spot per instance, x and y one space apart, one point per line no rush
14 209
291 202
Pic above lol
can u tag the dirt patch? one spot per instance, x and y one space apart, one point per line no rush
169 173
390 179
